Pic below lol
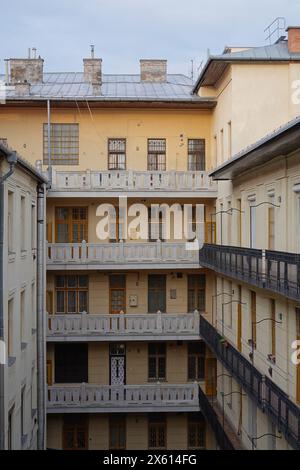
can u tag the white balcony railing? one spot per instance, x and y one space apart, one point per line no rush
122 253
131 180
83 326
110 398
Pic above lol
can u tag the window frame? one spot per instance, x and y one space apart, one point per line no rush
157 421
157 356
59 156
196 165
66 289
156 154
117 153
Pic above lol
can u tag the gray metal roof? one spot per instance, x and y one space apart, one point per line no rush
114 87
282 141
216 64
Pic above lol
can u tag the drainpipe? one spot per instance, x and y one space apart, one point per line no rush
41 345
12 160
49 141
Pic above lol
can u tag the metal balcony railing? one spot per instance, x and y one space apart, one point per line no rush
273 270
268 396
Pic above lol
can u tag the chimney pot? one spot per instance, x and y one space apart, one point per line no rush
294 39
153 70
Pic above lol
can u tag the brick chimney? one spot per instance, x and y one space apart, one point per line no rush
153 70
28 70
294 39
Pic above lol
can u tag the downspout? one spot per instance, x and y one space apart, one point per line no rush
41 344
12 159
49 141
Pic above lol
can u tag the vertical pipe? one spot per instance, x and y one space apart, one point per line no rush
49 141
2 401
41 346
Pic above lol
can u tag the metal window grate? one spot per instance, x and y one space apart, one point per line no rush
196 154
117 154
64 144
157 154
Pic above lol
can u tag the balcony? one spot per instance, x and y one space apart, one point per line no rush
132 255
275 271
88 398
123 327
112 183
268 397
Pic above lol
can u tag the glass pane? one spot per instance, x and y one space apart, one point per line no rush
71 301
82 301
60 281
60 302
82 281
62 233
72 281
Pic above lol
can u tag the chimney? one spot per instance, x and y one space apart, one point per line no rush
92 69
153 70
26 70
22 88
294 39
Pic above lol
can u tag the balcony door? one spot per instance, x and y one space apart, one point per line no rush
71 224
117 432
210 376
252 224
117 364
156 293
75 432
117 293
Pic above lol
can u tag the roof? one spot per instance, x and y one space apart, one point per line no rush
6 151
70 86
216 65
282 141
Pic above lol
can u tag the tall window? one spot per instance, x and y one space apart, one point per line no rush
253 317
117 432
23 411
75 432
196 431
10 221
271 225
10 332
23 223
157 154
71 363
117 154
196 292
71 224
33 226
229 139
196 154
252 223
64 144
196 361
157 431
71 294
22 317
273 326
10 431
156 293
157 359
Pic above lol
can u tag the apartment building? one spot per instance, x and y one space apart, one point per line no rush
148 348
254 318
21 297
124 353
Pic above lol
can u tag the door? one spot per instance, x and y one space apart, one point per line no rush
252 225
117 362
239 320
156 293
210 376
117 293
117 432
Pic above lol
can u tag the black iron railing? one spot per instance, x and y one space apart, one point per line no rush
268 396
273 270
211 417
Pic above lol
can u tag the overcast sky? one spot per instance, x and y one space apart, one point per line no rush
124 31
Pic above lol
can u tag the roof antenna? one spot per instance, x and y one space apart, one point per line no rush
92 51
276 28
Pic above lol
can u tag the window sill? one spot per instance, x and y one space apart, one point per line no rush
11 360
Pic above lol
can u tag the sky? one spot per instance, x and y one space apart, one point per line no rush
124 31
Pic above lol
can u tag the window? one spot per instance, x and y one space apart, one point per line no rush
157 154
222 144
23 223
71 363
117 432
10 336
273 326
33 227
196 431
252 223
10 221
196 154
23 411
229 139
71 293
253 317
22 317
157 432
10 431
271 224
64 144
156 293
71 224
157 361
196 361
117 293
215 151
75 432
228 299
196 292
33 306
117 154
